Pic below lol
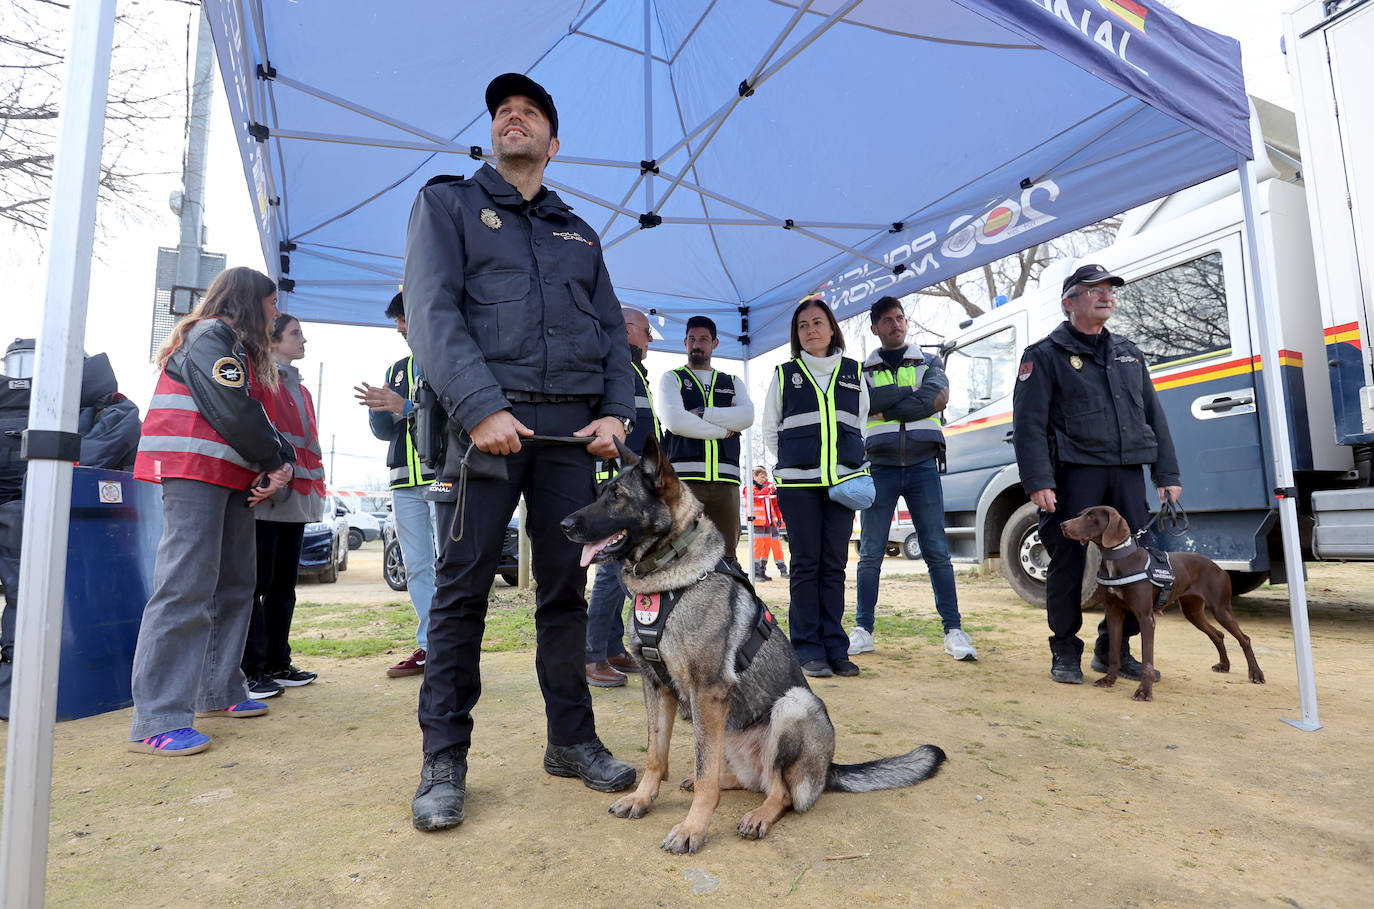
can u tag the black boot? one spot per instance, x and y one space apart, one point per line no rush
438 803
761 570
1065 669
1130 666
782 569
592 762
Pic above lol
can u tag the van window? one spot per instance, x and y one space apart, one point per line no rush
981 372
1176 313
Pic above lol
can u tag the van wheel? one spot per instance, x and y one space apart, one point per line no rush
393 566
911 547
355 538
512 578
330 572
1025 560
1242 582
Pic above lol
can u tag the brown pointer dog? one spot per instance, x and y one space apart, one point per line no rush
1198 583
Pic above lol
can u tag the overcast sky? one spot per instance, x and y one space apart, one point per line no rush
120 309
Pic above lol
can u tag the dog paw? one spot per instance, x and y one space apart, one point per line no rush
1256 676
630 807
682 840
1105 682
754 827
688 785
1141 694
1222 667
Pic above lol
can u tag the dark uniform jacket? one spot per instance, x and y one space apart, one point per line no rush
1071 406
504 294
905 405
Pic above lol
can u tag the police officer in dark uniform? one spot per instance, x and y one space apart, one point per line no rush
1085 419
517 328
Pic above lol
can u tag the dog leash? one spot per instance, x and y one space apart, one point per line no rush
460 502
1172 519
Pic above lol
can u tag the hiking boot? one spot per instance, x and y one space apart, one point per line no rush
817 669
601 675
242 709
176 743
761 570
860 641
624 662
1130 666
958 645
782 570
291 677
262 686
1066 669
844 668
411 665
592 762
438 802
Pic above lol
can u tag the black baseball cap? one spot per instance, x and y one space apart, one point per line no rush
507 84
1089 275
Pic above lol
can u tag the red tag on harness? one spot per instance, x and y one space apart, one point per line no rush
646 608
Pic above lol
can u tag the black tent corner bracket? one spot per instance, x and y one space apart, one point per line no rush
650 220
50 445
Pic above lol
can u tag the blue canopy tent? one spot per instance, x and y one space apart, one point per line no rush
733 155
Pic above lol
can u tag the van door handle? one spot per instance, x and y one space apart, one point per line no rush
1007 437
1226 402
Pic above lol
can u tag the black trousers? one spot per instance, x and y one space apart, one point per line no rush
818 532
556 481
1080 486
274 597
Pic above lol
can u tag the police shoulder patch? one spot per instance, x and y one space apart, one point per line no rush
229 371
1027 368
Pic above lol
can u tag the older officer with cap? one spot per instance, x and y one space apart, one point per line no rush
516 327
1086 418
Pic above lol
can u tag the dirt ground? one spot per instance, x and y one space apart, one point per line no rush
1052 795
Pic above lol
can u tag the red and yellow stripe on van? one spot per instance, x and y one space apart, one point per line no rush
1349 333
1236 367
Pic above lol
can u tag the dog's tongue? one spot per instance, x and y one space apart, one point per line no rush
589 550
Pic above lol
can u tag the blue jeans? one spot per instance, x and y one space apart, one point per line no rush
606 614
919 486
415 532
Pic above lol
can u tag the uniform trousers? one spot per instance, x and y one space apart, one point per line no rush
720 502
1080 486
555 480
274 597
190 640
818 533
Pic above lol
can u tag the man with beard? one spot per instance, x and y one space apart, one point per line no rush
703 413
517 329
607 661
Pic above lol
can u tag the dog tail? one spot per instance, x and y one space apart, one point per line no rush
886 773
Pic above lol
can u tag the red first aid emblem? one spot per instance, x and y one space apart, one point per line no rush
1025 372
646 608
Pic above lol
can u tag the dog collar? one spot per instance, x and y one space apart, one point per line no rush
666 553
1119 551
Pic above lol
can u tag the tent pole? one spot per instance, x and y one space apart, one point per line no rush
747 481
648 107
1271 329
47 500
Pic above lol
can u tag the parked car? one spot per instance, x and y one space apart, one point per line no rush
362 526
324 546
394 568
901 536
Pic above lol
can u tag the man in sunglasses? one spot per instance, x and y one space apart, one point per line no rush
1086 419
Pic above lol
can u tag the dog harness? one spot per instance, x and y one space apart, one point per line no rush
651 611
1158 571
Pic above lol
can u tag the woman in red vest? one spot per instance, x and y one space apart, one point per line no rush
767 527
216 454
281 524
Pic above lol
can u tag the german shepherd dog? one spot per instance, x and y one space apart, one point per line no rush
759 728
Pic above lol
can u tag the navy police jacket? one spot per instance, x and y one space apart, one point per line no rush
504 294
1071 407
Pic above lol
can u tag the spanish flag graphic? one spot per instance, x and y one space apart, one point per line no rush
1133 14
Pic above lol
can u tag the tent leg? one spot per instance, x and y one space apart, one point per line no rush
1277 409
57 380
746 481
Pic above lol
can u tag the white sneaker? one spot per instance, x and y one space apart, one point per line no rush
860 641
958 645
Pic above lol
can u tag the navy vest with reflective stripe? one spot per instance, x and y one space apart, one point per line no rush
820 439
402 457
645 420
712 460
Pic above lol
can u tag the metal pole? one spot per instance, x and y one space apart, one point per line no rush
193 171
522 543
47 500
332 437
748 478
1276 405
648 107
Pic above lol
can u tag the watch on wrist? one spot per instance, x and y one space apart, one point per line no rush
628 423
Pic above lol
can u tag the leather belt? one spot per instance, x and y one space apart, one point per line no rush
540 397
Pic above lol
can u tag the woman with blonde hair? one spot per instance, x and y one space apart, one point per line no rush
216 454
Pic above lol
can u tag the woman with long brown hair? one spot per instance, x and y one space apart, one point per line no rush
216 454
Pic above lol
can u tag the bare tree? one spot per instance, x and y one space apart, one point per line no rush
33 44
